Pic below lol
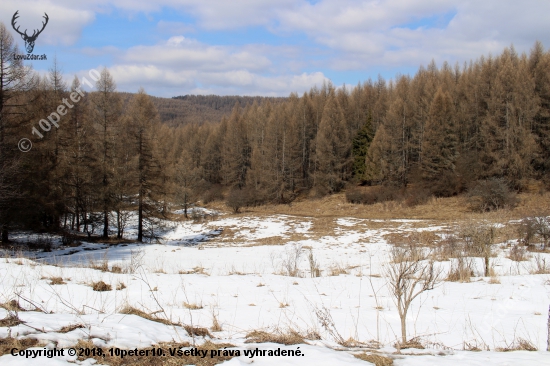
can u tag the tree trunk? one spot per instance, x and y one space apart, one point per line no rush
5 236
140 220
105 225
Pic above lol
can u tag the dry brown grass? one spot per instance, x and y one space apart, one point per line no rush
9 343
519 345
197 331
116 269
167 359
57 281
196 270
101 286
375 358
337 270
411 343
70 328
192 306
440 209
289 338
11 320
130 310
12 305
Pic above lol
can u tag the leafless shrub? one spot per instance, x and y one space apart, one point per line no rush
518 254
489 195
478 239
216 326
290 260
527 231
136 260
324 317
314 269
461 270
532 227
101 265
540 266
409 274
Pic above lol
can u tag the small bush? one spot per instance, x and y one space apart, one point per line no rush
239 198
489 195
415 196
372 195
213 193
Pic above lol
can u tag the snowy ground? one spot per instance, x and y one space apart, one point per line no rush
234 270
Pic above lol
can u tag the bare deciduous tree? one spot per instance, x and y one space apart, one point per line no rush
409 273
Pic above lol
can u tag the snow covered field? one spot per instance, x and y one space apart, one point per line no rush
234 275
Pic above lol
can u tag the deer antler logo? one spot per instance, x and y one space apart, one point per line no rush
29 40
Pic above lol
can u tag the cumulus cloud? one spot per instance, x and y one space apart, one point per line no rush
340 35
188 66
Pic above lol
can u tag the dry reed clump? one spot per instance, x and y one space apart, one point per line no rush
11 320
461 271
120 286
57 281
101 286
411 343
197 331
519 345
375 358
289 338
168 359
192 306
337 270
116 269
12 305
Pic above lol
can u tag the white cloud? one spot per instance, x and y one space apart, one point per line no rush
342 34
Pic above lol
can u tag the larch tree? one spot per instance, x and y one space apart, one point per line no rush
332 148
144 121
440 146
106 113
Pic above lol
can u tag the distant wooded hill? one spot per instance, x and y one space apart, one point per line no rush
198 109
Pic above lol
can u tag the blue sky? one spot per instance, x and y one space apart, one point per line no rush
269 47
